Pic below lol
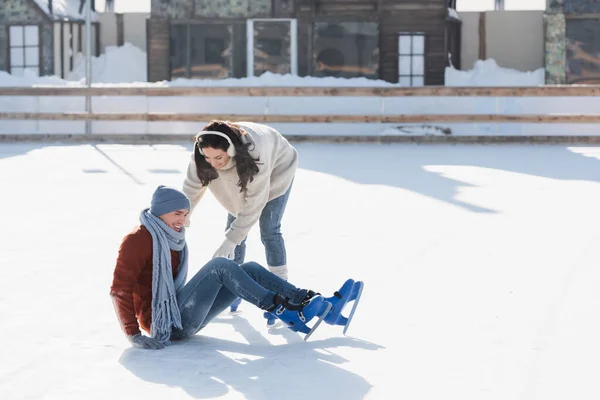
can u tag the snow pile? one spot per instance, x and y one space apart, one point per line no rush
452 13
28 80
271 79
489 73
124 64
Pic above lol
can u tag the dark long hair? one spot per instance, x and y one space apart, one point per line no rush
246 165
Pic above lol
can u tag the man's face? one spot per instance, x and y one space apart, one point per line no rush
175 219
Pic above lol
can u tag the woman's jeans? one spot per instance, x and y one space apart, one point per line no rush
270 232
218 283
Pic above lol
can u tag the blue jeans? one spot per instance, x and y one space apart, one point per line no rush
218 283
270 232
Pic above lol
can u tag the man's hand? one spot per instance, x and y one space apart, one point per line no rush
144 342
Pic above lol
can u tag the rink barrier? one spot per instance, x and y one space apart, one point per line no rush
381 92
283 118
424 91
381 139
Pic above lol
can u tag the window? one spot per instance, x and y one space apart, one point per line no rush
411 59
202 51
346 49
271 46
24 50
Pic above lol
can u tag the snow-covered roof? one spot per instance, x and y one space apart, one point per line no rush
63 9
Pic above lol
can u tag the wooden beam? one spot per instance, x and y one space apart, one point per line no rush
425 91
399 118
178 137
482 37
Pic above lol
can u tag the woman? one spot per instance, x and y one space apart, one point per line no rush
149 288
249 168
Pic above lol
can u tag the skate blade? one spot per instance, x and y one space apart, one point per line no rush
356 301
316 325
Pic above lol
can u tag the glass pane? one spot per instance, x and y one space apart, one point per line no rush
418 44
404 44
16 56
32 35
16 36
17 71
404 65
32 56
272 44
32 72
347 49
418 65
404 80
210 56
418 81
177 48
583 47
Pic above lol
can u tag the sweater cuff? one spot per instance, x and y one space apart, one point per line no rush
234 237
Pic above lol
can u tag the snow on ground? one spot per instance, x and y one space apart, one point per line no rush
479 262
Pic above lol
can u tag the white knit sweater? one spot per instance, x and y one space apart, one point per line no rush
276 170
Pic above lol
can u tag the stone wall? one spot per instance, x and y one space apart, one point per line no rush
19 12
184 9
580 6
555 49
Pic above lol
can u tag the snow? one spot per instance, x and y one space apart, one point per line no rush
452 13
489 73
64 9
479 283
126 63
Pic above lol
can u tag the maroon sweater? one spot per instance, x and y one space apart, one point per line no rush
131 288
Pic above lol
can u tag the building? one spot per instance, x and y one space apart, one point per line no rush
41 37
406 41
572 44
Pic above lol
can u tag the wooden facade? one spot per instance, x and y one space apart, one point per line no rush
58 38
346 38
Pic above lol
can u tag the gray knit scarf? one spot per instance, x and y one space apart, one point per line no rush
165 310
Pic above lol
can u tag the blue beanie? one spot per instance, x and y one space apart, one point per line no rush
166 200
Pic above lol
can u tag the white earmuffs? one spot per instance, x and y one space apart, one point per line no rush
230 149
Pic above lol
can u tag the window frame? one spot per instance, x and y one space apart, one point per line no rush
411 56
24 46
250 43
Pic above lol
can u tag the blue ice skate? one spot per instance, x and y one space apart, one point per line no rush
350 291
234 306
296 317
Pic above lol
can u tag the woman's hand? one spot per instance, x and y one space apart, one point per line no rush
226 250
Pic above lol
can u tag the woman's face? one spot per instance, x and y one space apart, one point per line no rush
175 219
215 157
